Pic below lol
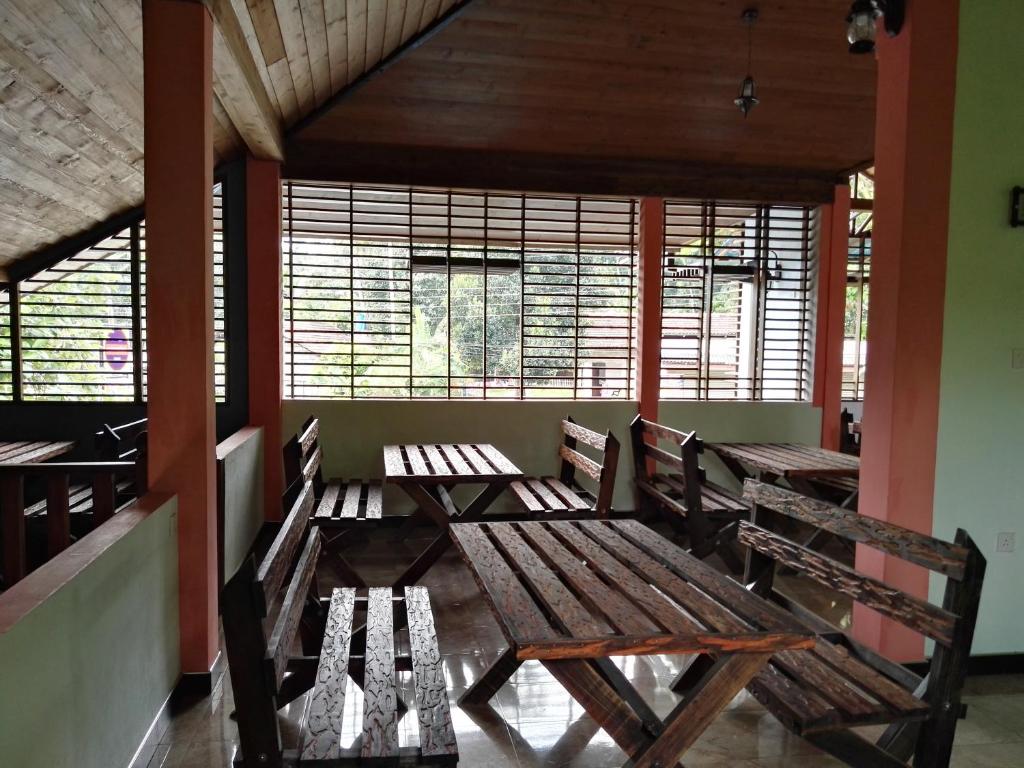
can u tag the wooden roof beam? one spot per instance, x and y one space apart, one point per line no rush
239 88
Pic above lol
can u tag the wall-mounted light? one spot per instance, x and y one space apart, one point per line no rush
1017 207
747 99
862 21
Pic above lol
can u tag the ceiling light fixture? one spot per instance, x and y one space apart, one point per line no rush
747 99
862 22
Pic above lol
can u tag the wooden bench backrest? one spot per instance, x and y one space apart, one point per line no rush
602 473
951 626
257 662
303 457
644 436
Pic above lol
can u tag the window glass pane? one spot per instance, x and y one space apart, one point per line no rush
6 388
76 326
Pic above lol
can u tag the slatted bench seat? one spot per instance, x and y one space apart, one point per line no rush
706 512
281 593
822 693
564 496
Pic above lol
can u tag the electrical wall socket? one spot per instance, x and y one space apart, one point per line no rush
1006 541
1017 358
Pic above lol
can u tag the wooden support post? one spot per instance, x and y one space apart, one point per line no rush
12 526
828 353
263 245
178 96
652 238
913 164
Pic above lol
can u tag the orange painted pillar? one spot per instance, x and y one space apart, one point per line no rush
648 369
177 39
263 241
913 160
828 353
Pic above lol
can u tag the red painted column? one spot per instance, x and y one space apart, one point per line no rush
913 160
177 38
828 353
263 241
648 369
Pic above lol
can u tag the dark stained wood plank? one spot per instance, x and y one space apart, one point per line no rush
12 525
455 459
437 736
380 698
58 517
103 497
572 499
287 623
278 559
498 459
437 463
321 732
491 681
527 497
394 465
663 456
350 506
583 463
415 457
584 435
374 500
309 436
940 556
549 500
480 464
912 612
328 501
650 645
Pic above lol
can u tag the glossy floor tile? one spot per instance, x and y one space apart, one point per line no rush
533 723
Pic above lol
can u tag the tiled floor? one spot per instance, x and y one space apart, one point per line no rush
532 721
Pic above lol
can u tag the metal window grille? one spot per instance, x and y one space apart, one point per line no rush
434 293
858 277
6 384
737 301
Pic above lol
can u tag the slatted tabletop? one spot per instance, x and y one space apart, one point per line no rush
448 463
26 452
788 460
573 593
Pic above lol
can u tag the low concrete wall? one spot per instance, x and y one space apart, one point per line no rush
89 644
239 495
353 431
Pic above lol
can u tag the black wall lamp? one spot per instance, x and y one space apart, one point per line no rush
862 21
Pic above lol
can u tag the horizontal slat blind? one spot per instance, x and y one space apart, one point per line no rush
219 316
397 292
858 278
736 301
6 386
76 326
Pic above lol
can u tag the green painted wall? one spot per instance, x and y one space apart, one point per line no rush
981 409
241 474
83 675
352 432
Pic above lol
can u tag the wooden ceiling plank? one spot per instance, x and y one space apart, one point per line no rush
238 85
393 26
430 14
356 38
264 20
20 168
413 18
314 24
72 62
335 16
66 105
128 17
376 26
289 17
226 138
252 38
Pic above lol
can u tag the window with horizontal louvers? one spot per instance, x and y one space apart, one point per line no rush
855 330
219 316
737 301
76 326
6 385
429 293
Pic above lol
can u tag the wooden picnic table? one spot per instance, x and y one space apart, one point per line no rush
798 465
30 452
428 472
631 584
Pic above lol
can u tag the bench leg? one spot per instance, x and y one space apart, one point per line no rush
492 680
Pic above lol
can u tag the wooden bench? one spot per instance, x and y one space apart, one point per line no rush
707 513
282 593
823 693
564 496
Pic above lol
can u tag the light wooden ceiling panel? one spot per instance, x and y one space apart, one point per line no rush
71 108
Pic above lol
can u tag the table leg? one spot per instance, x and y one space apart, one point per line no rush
695 713
426 558
492 680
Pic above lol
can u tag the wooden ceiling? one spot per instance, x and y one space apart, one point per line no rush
71 94
568 95
627 97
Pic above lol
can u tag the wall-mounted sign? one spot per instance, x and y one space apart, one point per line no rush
1016 205
116 350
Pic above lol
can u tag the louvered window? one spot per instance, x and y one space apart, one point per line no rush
6 385
858 277
429 293
736 301
83 320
